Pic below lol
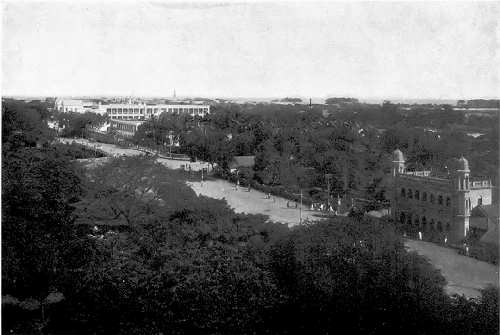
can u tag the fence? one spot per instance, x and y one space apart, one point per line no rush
126 143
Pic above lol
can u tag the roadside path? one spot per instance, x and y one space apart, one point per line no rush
253 202
464 275
242 201
114 150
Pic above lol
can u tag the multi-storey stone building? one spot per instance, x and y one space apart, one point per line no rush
77 106
144 111
126 118
437 205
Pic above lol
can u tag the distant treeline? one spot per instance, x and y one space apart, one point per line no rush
331 101
479 103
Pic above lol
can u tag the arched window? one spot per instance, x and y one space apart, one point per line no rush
432 224
417 195
448 226
402 218
417 220
424 196
403 192
408 219
440 199
410 194
424 222
448 201
432 198
439 226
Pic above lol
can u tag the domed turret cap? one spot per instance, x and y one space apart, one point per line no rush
397 156
463 164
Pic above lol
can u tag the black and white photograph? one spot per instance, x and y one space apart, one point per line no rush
250 167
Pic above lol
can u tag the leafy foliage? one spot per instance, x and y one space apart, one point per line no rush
23 124
355 275
76 124
129 248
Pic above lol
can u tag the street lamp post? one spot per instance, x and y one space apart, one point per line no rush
171 139
300 207
328 177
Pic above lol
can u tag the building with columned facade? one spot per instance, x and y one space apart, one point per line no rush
78 106
145 112
126 118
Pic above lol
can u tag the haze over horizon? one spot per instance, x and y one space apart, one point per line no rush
369 51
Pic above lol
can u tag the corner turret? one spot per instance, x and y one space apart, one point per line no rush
398 162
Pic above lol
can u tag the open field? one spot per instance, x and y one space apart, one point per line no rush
253 202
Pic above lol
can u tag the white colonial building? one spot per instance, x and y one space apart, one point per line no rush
77 106
145 112
126 118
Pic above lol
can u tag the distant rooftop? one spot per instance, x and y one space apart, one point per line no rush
134 122
242 161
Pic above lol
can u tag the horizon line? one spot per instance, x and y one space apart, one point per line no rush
303 97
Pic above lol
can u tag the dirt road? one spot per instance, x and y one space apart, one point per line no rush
465 275
253 202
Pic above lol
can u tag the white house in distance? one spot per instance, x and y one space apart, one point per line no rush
78 106
130 110
125 118
143 111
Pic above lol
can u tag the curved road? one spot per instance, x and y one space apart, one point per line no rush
464 275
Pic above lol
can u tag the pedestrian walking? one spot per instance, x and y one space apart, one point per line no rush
420 235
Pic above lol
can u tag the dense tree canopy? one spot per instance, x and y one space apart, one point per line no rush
24 124
296 146
76 124
127 247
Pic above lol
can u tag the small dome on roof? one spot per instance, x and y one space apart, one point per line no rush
397 156
463 164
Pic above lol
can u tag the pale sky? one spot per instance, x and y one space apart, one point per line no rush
265 49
